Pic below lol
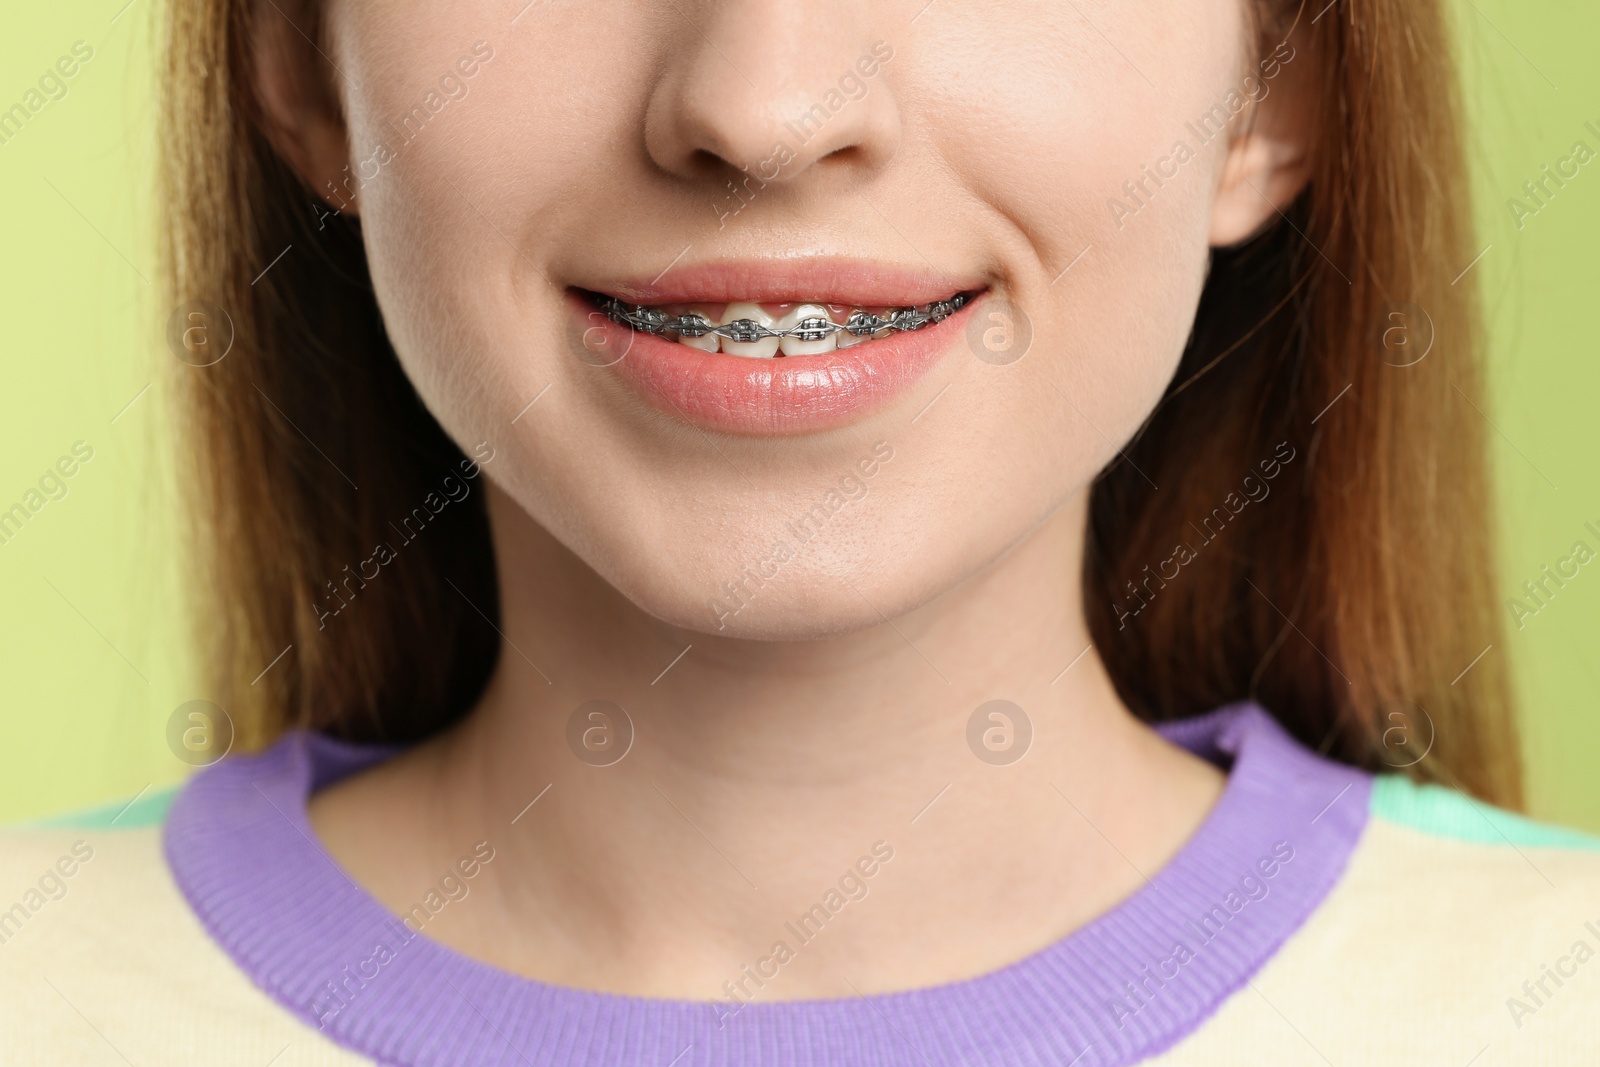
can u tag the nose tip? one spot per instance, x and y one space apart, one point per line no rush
758 90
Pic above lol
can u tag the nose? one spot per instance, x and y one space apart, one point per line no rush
784 90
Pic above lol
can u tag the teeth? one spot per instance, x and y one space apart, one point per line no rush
816 328
705 342
765 348
795 346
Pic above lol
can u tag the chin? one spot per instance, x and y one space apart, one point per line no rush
786 602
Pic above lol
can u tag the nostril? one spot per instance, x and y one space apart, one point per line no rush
706 162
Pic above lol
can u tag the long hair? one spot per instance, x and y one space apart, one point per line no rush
1302 521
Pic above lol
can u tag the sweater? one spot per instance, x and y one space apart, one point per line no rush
1319 916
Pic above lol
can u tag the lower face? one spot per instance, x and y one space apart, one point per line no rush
780 185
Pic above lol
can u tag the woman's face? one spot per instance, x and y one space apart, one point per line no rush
695 155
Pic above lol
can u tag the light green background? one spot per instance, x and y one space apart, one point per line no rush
93 657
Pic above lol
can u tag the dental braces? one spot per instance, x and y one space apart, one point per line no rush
744 331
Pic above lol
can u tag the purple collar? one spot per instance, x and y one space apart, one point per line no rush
1126 986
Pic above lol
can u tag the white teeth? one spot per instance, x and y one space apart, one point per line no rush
765 348
794 346
805 321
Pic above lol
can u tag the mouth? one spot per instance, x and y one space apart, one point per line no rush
773 347
767 330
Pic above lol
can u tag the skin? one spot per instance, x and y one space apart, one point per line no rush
827 713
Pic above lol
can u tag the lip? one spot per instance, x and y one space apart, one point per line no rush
787 394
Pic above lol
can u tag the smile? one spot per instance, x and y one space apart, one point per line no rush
769 330
775 346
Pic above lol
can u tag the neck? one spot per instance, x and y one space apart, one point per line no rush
764 775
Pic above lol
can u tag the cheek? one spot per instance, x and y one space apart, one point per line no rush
1102 182
460 223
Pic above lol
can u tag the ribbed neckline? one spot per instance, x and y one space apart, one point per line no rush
1112 992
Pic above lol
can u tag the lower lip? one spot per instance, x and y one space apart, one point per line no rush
782 395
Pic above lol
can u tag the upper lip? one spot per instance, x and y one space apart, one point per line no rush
824 280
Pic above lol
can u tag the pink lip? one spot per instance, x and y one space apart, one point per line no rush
788 394
771 397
